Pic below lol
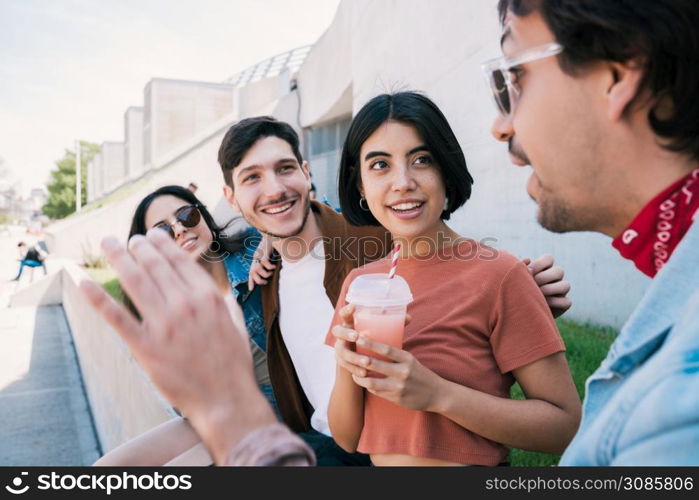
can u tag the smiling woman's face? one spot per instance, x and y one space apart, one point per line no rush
402 182
195 240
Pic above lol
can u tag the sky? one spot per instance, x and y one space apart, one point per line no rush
70 68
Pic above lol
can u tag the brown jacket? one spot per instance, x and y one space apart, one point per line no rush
346 247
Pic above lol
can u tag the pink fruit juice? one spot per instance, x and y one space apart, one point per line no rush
385 326
380 306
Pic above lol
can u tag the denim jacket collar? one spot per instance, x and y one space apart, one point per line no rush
238 264
659 309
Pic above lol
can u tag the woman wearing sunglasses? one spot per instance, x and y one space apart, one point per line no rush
177 211
478 323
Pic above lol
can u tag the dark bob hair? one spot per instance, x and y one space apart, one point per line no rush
662 35
244 134
221 243
413 109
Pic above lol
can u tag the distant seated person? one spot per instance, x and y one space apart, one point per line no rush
30 256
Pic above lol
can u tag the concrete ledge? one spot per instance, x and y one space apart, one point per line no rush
123 401
47 291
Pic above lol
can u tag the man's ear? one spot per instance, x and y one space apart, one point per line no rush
230 197
305 168
625 85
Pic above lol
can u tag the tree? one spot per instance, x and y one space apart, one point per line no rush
61 187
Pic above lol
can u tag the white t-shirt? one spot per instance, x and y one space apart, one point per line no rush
305 314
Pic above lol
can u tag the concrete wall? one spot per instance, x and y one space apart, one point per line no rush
113 164
123 401
327 73
437 47
177 110
254 98
90 181
190 159
98 176
133 142
194 161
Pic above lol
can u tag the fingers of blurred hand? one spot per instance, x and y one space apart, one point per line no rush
383 349
189 273
154 263
347 315
540 263
344 333
236 314
140 287
551 275
560 288
116 315
526 261
195 301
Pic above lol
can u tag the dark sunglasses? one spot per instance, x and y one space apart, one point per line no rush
189 216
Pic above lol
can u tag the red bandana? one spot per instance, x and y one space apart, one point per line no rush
657 230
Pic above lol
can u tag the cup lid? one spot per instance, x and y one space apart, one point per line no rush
378 290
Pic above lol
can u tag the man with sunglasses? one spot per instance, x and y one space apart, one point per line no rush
600 99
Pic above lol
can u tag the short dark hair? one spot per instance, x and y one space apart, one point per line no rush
663 35
244 134
414 109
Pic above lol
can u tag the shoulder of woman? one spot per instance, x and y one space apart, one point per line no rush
489 258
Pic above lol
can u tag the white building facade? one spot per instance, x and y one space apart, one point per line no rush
373 47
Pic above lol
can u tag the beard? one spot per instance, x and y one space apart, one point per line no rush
558 216
555 216
306 200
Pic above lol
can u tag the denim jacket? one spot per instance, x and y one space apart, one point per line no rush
642 404
238 269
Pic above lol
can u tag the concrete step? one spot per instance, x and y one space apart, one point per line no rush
43 409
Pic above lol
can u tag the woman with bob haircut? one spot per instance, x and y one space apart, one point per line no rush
177 211
478 321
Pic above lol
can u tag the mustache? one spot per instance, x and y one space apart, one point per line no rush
281 199
517 151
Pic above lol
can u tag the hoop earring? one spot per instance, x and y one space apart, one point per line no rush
363 207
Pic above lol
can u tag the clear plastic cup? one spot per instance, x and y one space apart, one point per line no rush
380 307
